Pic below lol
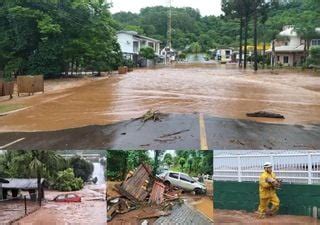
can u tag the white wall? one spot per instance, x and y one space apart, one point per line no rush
126 42
294 41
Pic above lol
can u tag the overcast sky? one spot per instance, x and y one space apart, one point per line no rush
206 7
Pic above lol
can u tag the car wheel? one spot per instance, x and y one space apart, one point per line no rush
167 183
197 191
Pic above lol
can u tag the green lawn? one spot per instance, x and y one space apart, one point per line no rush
8 108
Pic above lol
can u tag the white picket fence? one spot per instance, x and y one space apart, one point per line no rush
291 167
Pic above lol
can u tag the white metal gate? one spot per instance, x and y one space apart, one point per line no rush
292 167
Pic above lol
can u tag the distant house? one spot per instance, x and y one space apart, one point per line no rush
289 49
168 54
224 54
131 42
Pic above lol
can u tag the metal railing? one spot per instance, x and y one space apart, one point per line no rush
293 167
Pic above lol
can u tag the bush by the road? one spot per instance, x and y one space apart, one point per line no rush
66 181
314 58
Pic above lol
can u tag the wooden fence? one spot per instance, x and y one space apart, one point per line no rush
30 84
6 88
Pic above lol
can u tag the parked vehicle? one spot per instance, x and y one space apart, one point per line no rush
67 198
183 181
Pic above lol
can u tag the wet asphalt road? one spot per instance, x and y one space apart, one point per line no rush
174 131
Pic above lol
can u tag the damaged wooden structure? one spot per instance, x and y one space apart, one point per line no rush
6 88
135 187
141 189
30 84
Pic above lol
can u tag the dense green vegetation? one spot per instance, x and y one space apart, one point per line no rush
59 173
193 33
192 162
54 36
67 181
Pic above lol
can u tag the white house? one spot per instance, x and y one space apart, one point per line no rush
289 50
224 54
131 42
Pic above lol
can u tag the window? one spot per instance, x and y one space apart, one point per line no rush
174 175
315 42
285 59
151 45
186 178
278 58
135 46
143 43
60 197
71 196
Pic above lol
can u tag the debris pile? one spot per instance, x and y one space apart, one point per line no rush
143 192
266 115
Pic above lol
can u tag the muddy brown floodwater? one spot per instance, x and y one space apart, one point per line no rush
219 90
91 210
240 217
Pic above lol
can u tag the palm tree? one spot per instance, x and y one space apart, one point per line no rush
40 164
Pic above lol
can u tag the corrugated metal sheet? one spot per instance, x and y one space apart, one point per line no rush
15 183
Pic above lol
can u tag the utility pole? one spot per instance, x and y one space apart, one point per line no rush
255 35
169 32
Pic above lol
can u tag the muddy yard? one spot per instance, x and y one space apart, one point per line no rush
240 217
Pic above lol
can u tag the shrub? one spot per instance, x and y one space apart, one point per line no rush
314 58
66 181
147 53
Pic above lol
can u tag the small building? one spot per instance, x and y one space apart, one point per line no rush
224 54
131 42
289 48
168 55
15 185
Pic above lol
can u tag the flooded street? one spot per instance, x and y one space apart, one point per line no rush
91 210
240 217
217 90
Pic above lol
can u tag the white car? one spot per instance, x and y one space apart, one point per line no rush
183 181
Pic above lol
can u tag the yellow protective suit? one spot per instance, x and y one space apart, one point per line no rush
267 194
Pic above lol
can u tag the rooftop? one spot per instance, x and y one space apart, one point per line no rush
134 33
16 183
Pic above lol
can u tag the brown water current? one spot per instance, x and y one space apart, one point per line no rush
216 90
91 210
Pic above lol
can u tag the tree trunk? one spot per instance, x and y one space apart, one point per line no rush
241 37
245 41
255 39
72 64
273 54
39 185
156 162
264 53
305 50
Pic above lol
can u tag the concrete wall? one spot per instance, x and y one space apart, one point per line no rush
295 199
294 58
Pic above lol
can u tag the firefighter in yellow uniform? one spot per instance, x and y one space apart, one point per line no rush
268 184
